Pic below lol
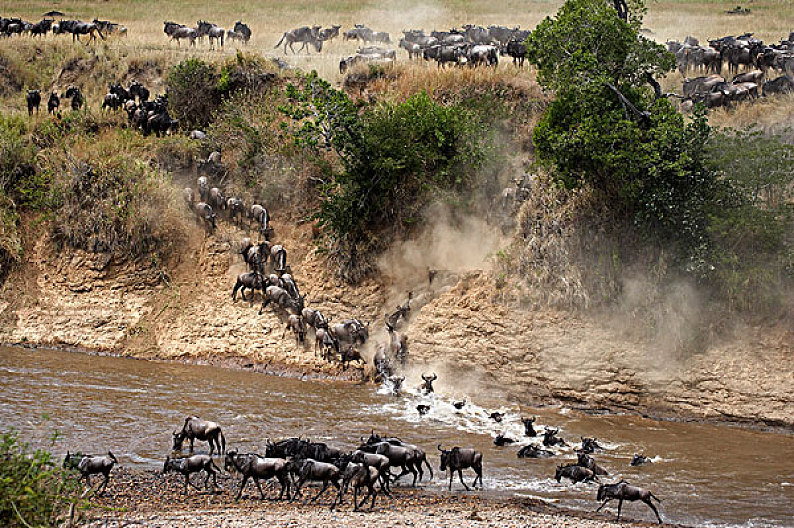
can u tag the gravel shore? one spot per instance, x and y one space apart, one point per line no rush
147 498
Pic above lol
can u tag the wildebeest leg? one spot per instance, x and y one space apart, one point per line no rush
460 476
651 506
107 479
620 505
451 476
242 486
603 504
374 494
191 443
284 482
187 481
325 487
261 493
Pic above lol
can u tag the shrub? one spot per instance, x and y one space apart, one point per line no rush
193 95
394 158
34 490
116 205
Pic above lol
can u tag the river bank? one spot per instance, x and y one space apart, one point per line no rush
458 328
148 498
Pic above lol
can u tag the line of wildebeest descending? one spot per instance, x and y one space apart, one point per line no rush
294 462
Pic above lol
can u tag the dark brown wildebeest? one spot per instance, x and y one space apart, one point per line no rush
624 491
359 475
550 438
196 428
575 473
501 440
251 280
89 465
640 460
399 456
76 96
190 465
296 324
329 33
531 451
458 459
427 386
53 103
33 99
529 429
589 445
585 460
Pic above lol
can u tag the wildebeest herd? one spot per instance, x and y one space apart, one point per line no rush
214 33
768 68
295 462
77 28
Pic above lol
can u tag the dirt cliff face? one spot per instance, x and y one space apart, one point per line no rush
456 328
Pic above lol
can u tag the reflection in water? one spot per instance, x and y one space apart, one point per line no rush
703 473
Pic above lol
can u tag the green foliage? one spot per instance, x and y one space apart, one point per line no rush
394 156
751 252
192 90
635 150
34 490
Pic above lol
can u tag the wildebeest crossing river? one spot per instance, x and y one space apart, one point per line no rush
705 474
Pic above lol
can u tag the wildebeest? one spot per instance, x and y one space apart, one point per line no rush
458 459
203 185
311 470
160 123
89 465
204 212
178 32
590 445
398 344
212 31
574 472
243 30
379 462
624 491
53 103
111 101
532 451
399 456
496 416
459 404
350 331
76 96
359 476
278 256
518 51
251 280
33 99
138 90
420 456
529 429
261 216
550 438
314 318
326 342
423 409
640 460
427 386
783 84
501 440
216 199
255 467
306 35
281 298
192 464
197 429
295 323
585 460
329 33
235 209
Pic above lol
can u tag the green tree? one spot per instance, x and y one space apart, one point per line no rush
393 157
193 94
609 129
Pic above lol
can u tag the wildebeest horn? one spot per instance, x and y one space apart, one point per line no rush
439 448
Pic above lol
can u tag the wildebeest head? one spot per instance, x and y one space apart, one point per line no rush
445 457
529 429
179 437
558 476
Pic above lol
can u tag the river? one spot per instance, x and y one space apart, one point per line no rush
705 474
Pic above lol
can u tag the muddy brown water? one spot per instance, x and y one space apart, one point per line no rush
705 474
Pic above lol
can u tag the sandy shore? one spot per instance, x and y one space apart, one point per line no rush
147 498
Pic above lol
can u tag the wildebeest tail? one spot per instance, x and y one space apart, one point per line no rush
424 459
280 41
116 460
654 497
